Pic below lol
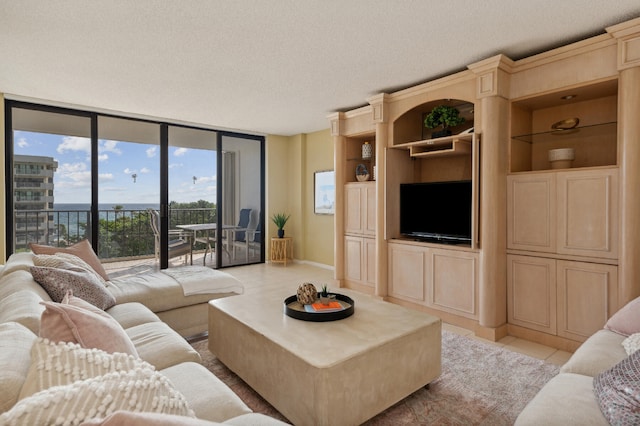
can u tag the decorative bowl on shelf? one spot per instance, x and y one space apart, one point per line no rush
362 178
561 158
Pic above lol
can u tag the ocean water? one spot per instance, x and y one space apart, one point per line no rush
73 215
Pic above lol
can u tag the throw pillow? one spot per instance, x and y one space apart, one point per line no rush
16 342
84 284
82 249
627 320
618 391
140 390
62 363
77 321
64 261
631 343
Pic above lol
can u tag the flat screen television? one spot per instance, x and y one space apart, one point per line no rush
436 211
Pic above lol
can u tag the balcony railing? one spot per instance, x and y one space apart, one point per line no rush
122 233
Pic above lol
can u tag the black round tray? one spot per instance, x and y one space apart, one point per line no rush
295 309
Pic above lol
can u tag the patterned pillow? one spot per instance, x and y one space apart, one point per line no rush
627 320
138 390
77 321
631 343
83 284
82 249
62 363
64 261
618 391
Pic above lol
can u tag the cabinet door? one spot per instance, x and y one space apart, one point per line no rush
587 297
407 272
370 210
353 253
360 208
369 261
588 213
531 214
452 281
353 209
531 292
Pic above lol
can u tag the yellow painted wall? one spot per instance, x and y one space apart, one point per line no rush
291 163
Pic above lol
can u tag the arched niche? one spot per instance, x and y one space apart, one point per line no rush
409 127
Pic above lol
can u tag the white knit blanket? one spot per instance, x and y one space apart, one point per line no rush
203 280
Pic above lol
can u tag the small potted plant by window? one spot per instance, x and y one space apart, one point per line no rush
445 117
280 219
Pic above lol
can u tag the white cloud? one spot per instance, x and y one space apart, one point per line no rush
22 143
73 175
129 171
103 157
109 146
151 152
74 143
174 165
180 152
105 177
206 179
145 170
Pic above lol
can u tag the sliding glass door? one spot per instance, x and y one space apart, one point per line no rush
137 189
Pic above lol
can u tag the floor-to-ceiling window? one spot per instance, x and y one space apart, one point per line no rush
78 174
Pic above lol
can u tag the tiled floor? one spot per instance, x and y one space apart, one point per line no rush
264 275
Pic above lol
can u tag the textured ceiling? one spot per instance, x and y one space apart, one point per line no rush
276 67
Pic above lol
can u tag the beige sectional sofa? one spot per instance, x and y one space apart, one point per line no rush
573 397
156 343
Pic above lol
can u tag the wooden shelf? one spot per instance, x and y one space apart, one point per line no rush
595 130
440 147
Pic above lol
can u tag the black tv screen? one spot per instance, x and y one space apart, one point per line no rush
436 211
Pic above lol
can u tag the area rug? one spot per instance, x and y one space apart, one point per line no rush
480 384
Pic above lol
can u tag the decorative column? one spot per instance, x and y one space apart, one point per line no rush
336 121
380 118
628 35
492 93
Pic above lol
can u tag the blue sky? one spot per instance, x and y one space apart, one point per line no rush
118 161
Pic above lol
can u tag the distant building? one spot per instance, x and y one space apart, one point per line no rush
33 198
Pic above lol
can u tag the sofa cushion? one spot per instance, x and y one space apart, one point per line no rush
141 389
18 262
83 284
567 399
627 320
22 307
601 351
15 349
77 321
161 346
208 396
62 363
130 418
21 280
618 391
156 290
132 314
82 249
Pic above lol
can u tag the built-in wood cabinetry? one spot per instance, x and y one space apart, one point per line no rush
555 247
441 279
359 240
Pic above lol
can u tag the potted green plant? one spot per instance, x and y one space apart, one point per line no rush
324 295
280 219
443 116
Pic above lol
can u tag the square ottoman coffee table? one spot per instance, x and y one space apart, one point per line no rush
326 373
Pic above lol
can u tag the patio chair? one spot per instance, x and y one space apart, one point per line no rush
179 241
239 234
253 241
